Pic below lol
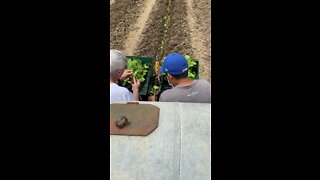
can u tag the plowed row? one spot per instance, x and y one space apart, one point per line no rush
137 28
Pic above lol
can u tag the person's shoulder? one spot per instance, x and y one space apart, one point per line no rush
164 96
170 91
167 93
120 89
203 82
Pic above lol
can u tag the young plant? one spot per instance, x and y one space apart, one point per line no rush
154 90
191 65
138 68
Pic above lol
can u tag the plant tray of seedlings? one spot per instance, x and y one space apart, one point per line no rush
141 67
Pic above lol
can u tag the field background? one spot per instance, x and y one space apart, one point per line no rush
137 28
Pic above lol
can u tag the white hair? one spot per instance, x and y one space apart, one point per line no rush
117 61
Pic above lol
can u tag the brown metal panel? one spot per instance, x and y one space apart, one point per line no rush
133 119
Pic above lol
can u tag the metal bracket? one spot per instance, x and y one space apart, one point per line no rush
133 119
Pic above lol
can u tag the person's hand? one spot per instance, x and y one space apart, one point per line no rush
126 74
135 84
152 98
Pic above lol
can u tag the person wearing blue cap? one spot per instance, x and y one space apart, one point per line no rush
175 66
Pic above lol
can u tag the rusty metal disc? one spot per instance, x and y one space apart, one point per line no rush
133 119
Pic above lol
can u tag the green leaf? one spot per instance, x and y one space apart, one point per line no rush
142 79
191 74
138 68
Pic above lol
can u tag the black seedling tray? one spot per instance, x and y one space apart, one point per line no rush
144 87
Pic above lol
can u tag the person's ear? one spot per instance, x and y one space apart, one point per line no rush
169 77
120 71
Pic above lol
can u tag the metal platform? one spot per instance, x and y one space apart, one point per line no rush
178 149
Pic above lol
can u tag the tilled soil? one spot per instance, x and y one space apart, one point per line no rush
189 29
179 35
202 16
123 13
153 34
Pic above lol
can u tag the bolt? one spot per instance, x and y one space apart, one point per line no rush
122 122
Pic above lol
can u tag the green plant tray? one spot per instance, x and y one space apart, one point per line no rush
144 87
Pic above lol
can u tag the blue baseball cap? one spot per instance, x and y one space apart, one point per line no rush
174 64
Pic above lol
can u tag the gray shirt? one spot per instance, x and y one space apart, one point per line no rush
198 92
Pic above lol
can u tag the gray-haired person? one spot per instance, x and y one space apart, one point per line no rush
118 64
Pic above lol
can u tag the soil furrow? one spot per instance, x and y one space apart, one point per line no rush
134 37
152 35
178 35
200 48
123 14
137 28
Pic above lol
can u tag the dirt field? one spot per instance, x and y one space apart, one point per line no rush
137 28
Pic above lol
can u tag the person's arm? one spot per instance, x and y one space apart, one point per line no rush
135 88
165 97
126 74
161 98
152 98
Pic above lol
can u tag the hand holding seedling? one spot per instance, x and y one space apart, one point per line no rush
138 70
126 74
135 84
152 98
135 88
